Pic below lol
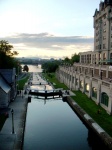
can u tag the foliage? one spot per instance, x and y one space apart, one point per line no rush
7 55
75 58
102 118
54 81
22 82
51 66
90 107
66 60
25 68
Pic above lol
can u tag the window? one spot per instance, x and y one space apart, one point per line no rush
104 37
111 44
94 92
104 23
104 46
104 55
110 55
81 84
76 82
104 99
104 30
87 87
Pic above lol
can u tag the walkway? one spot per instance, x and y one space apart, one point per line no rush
9 141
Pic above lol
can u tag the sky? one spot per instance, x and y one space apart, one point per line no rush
48 28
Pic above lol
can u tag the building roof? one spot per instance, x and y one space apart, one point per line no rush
3 85
8 74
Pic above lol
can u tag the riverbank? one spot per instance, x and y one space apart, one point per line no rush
102 119
95 111
88 121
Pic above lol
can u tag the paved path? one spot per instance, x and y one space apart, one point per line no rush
9 141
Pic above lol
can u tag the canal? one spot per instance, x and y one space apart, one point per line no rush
51 124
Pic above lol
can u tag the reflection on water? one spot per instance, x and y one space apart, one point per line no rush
52 125
34 68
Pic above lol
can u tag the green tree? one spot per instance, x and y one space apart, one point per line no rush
75 58
66 60
51 66
25 68
7 55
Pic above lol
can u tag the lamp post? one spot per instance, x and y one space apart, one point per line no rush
12 111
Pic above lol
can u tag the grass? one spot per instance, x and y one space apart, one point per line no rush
103 119
90 107
22 82
51 78
2 120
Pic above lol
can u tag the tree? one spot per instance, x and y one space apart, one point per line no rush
25 68
6 48
75 58
66 60
6 55
51 66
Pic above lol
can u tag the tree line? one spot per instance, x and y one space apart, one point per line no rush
51 66
8 61
7 57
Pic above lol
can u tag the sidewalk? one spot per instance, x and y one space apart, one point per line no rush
9 141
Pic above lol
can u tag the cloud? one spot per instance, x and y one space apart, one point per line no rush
49 45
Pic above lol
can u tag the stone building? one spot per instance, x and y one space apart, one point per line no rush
93 75
92 80
102 53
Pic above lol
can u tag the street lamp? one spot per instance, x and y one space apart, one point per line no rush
12 111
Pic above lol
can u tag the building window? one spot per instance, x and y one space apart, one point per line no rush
81 84
104 30
110 55
104 46
111 44
94 92
104 56
87 87
104 99
104 23
104 37
76 82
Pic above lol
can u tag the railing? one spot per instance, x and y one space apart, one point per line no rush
105 84
95 80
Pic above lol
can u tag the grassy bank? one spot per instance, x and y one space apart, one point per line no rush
102 118
22 82
51 78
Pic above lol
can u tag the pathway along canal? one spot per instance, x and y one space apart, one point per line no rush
51 124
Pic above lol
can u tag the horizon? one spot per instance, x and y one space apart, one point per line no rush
52 29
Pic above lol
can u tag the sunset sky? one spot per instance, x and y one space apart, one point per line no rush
48 28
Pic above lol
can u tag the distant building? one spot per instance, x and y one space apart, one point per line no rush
102 53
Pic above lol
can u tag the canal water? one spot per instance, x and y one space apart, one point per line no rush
52 125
